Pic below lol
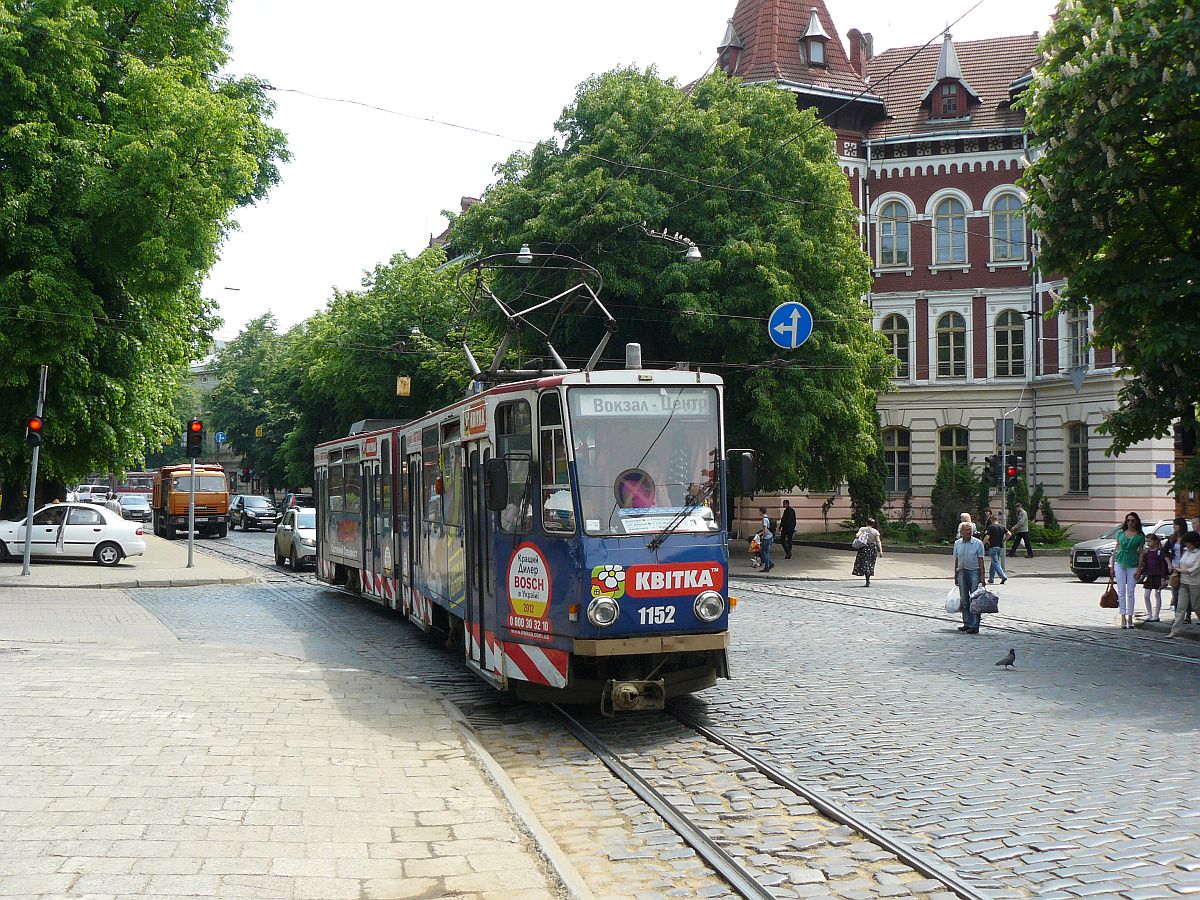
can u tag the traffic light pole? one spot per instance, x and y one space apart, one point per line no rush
33 470
191 511
1004 485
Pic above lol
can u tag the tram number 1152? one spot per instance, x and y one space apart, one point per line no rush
657 615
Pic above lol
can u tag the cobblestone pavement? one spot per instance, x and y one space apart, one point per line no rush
1073 776
143 766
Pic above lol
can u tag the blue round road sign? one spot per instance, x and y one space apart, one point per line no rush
790 325
219 437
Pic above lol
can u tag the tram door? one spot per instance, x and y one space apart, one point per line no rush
371 549
415 523
479 600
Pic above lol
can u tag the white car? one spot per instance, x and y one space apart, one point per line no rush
74 531
296 538
92 493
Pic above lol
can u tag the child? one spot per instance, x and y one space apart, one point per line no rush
756 560
1155 570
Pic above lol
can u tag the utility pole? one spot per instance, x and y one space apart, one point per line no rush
33 470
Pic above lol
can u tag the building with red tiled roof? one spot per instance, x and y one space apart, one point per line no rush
933 146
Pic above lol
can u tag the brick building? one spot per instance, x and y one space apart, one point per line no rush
933 148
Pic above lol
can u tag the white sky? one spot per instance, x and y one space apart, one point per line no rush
363 185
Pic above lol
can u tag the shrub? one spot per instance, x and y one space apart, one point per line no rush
906 510
913 533
1035 502
1019 494
868 491
1048 517
955 491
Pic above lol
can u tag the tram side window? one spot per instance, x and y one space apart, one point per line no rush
452 485
337 496
385 499
352 485
514 443
558 512
431 502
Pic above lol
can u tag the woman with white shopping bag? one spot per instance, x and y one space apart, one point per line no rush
969 573
869 545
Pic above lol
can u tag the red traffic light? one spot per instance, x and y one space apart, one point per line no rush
34 424
195 426
1012 471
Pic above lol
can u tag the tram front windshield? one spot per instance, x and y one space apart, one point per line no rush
646 458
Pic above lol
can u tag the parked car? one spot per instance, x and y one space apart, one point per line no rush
92 493
296 538
253 511
74 531
1093 559
136 508
291 501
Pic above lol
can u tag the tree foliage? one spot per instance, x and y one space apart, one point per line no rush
122 159
955 491
341 364
868 489
1116 196
631 148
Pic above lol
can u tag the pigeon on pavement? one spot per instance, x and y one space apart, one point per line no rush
1008 661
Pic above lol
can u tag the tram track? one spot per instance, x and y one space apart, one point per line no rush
1048 631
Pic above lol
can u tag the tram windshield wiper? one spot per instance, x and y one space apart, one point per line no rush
684 514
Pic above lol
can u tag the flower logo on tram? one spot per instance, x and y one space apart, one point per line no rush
608 581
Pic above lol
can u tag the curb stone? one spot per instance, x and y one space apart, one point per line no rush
138 583
546 845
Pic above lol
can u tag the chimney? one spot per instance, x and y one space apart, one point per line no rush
862 48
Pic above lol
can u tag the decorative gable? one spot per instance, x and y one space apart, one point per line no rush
949 96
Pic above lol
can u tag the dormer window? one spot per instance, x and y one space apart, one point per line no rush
949 101
814 40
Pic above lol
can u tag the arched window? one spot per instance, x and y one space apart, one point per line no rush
894 235
1008 228
897 450
895 331
1077 458
952 445
952 346
1010 344
950 232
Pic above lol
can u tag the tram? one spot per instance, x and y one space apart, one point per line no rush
568 530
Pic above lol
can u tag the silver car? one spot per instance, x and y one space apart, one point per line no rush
296 538
74 531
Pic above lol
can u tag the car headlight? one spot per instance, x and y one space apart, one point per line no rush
603 611
251 513
709 606
307 542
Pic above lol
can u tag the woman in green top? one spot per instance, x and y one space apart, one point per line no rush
1131 544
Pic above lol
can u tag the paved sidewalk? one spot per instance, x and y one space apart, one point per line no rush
139 765
823 564
163 565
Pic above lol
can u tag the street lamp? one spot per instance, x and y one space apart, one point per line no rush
525 257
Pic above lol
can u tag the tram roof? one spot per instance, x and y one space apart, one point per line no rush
602 377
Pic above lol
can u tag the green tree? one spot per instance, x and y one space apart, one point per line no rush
244 400
868 490
124 156
955 491
343 361
631 148
1116 196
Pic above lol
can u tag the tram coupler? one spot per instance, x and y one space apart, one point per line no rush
630 696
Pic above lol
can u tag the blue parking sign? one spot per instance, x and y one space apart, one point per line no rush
790 325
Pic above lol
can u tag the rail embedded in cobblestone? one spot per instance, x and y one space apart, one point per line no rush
839 813
712 853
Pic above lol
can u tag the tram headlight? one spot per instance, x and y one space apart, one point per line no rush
709 606
603 611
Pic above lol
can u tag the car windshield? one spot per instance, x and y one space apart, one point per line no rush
645 458
307 519
255 501
203 483
1111 534
134 501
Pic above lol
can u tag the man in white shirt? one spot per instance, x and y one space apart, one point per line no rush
968 573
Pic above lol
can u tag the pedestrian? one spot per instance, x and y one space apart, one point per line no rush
1189 582
994 538
1174 549
965 518
1154 571
968 574
1131 544
1020 532
787 529
870 546
766 538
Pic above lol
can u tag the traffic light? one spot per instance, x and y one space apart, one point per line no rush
991 471
33 431
1016 468
195 438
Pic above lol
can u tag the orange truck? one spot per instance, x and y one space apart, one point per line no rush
170 502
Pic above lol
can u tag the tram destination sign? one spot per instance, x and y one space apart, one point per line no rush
663 402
